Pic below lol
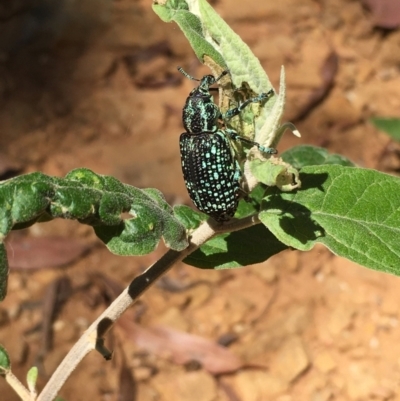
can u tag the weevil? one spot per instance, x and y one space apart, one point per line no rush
210 168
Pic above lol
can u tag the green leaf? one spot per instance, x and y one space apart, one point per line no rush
23 199
31 378
98 200
190 218
178 11
389 125
151 218
251 205
266 172
91 198
74 201
5 364
240 248
306 155
3 271
275 172
354 212
209 35
243 65
246 70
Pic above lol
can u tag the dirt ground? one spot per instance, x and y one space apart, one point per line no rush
94 84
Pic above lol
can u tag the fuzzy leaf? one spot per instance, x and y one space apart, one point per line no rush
190 218
243 65
209 35
178 11
240 248
306 155
94 199
354 212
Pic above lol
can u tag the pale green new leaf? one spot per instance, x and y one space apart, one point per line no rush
243 65
31 378
210 35
5 364
178 11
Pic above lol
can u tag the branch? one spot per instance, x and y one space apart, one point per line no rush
93 338
18 387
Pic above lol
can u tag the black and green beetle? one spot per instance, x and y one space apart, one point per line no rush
210 169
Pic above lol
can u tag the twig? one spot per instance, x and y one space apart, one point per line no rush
93 338
18 387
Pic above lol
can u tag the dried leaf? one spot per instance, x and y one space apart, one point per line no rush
37 253
385 13
182 347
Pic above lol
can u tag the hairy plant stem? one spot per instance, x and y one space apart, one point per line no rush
18 387
93 336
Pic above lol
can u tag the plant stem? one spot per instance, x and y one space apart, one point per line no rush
93 336
18 387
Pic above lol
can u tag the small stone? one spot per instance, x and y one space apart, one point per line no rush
197 295
296 319
387 322
374 342
291 360
382 393
390 305
360 381
341 318
288 260
322 395
255 385
266 271
143 373
173 318
346 341
338 381
324 362
182 386
146 392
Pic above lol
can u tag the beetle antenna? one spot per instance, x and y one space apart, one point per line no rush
182 71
